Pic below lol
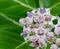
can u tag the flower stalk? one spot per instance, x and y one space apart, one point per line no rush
22 44
41 4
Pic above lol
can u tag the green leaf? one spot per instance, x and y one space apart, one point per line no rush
10 13
56 11
54 5
50 3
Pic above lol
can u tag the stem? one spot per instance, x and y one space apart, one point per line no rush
22 44
41 4
25 5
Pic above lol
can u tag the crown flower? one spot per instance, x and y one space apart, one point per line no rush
38 26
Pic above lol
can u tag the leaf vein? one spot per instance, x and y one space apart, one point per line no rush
21 3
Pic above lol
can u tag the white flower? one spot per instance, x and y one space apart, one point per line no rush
27 29
45 38
50 35
53 46
33 38
36 18
40 32
22 21
58 41
42 43
57 30
29 20
41 24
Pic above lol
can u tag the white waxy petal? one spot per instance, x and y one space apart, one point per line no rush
47 11
33 38
53 17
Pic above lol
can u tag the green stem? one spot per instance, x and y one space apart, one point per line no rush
41 4
25 5
22 44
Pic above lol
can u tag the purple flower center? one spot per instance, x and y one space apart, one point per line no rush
36 44
47 18
42 11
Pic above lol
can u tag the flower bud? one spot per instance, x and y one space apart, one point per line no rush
33 38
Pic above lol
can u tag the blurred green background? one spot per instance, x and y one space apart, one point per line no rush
10 13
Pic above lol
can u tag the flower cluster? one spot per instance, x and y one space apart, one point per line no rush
39 29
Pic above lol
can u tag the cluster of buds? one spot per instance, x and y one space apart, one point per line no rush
38 26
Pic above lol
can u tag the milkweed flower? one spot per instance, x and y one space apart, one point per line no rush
22 21
27 30
53 46
50 35
38 26
57 30
42 43
29 20
33 38
58 41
